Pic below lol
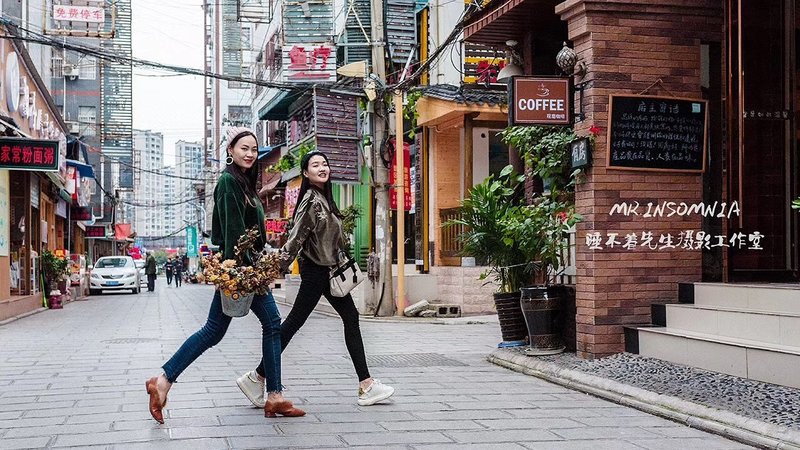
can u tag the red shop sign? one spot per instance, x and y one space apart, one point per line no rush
276 226
28 154
95 231
406 177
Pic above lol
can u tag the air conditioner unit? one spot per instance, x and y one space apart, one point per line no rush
71 72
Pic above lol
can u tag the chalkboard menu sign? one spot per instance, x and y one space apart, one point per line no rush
657 133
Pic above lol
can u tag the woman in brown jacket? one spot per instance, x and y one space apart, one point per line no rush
317 237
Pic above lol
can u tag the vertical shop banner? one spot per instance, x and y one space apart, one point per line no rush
406 179
5 207
292 191
191 242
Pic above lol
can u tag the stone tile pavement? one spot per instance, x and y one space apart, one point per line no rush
75 378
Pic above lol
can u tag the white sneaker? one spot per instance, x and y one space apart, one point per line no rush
377 392
252 388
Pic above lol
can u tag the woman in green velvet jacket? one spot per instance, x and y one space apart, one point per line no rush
236 209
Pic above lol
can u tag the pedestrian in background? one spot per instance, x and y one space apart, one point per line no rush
236 209
318 238
177 268
150 271
168 266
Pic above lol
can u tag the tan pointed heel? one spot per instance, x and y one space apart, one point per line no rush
156 407
284 408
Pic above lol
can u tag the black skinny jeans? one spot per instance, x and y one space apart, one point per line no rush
314 283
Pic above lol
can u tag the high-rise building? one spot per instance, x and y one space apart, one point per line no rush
169 210
148 152
189 162
229 51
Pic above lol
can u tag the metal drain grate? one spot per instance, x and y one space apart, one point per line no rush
412 360
130 341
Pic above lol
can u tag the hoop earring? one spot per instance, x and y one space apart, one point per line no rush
229 160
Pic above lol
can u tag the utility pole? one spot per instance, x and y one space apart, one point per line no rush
381 296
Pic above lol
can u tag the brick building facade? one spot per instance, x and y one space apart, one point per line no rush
696 49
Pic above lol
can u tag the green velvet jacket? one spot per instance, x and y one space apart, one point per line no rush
233 215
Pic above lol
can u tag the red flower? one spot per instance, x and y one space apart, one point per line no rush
594 130
562 216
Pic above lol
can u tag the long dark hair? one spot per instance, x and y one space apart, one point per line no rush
305 185
246 179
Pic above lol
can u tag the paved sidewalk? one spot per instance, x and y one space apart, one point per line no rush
75 378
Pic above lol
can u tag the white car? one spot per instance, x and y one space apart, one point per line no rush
114 273
142 276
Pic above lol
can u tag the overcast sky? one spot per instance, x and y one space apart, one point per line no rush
171 32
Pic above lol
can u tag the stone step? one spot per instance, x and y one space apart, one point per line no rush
771 363
758 297
768 327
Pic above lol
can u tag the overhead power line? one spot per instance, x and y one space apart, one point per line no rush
102 54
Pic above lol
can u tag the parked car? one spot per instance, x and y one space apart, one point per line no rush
115 273
142 276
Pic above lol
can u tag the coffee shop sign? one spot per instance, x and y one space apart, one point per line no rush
541 101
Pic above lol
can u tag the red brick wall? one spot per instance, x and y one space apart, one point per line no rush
628 45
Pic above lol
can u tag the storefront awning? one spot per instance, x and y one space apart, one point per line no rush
265 151
59 183
445 103
85 170
507 20
277 108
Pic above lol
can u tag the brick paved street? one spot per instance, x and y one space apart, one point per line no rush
75 378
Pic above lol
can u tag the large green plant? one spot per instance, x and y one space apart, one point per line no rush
796 204
518 242
291 160
350 217
523 243
54 269
546 151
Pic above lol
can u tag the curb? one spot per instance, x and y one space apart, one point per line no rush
22 316
393 319
724 423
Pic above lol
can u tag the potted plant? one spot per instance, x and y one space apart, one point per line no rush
54 270
552 213
491 215
250 272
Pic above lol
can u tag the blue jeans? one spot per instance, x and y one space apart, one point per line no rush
217 324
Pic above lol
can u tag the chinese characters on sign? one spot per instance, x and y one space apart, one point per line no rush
304 63
684 239
541 101
95 231
276 226
76 13
657 133
29 154
406 178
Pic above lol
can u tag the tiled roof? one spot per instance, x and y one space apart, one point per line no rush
469 95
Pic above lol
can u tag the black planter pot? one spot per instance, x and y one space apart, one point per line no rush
512 323
542 312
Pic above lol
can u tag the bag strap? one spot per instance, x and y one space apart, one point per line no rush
344 267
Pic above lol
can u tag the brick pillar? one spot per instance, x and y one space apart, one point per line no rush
627 45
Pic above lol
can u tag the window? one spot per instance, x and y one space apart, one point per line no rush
87 118
88 68
57 65
107 263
